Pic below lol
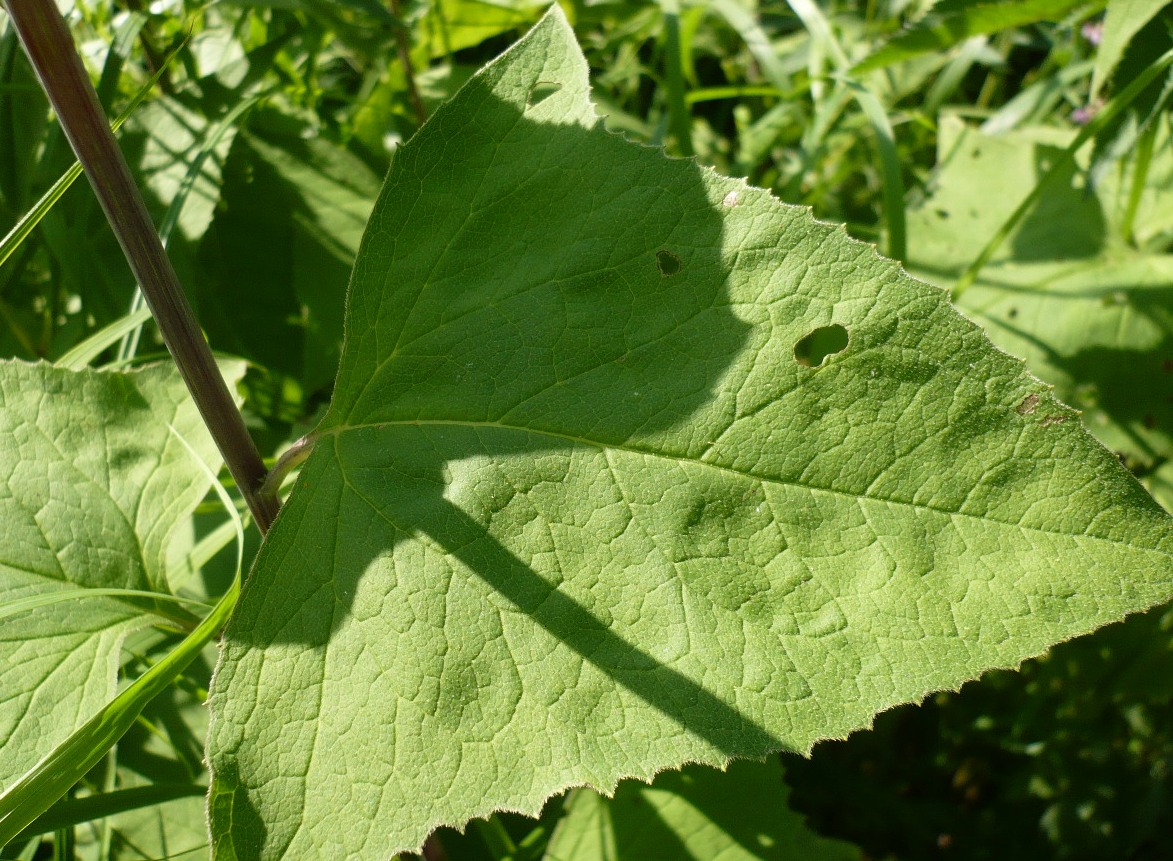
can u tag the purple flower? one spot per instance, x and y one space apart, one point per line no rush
1083 116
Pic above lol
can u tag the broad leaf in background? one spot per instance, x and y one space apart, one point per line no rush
738 815
630 465
1123 19
1091 315
95 479
451 25
173 139
292 216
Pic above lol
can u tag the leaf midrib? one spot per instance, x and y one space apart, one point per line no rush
765 479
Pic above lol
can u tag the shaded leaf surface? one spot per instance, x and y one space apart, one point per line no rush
94 482
698 812
577 512
173 138
293 214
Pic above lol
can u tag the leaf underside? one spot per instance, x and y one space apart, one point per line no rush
96 470
579 512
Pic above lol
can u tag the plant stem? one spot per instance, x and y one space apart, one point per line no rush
294 457
47 41
404 49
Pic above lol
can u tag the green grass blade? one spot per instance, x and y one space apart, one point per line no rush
204 551
712 94
82 354
1111 110
52 777
497 839
1034 102
891 176
939 32
1140 173
679 118
32 218
75 811
46 599
128 346
953 74
755 38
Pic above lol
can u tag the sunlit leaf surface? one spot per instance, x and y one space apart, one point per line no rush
97 470
604 490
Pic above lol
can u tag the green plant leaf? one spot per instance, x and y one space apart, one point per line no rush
1090 314
577 512
74 811
96 477
949 23
292 215
698 812
181 157
452 25
1123 19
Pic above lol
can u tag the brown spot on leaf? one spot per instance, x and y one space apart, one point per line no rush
1029 404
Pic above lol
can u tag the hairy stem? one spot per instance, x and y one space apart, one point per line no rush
50 49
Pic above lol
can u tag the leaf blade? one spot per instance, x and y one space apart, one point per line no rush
599 519
96 480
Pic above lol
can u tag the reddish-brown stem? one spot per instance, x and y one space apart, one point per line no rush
50 49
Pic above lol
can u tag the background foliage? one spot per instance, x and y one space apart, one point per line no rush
262 148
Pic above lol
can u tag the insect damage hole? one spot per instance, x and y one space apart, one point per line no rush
813 349
541 91
668 263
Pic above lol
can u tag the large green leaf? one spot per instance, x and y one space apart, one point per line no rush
98 469
597 496
693 813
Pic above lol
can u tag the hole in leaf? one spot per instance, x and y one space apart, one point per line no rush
541 91
811 351
668 262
